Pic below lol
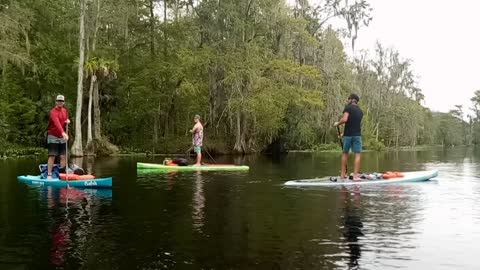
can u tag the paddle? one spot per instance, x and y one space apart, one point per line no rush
340 137
341 146
66 166
189 149
66 157
210 156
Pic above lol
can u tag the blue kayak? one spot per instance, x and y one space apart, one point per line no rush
39 181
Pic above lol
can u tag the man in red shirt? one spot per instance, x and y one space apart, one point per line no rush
57 136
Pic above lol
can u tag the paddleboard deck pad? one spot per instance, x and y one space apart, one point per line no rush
205 167
418 176
38 180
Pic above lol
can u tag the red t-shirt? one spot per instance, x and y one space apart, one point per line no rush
56 123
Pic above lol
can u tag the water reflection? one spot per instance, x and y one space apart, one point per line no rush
247 220
71 213
61 230
171 179
90 162
198 203
352 224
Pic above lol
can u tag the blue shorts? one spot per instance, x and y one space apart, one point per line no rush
197 149
352 142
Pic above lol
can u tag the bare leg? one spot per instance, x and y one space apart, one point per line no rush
199 158
62 161
344 165
51 160
357 165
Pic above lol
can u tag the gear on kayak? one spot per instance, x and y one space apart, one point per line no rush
57 170
75 177
177 161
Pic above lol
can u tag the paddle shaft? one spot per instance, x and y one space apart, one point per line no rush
340 137
189 149
66 168
66 156
210 156
341 145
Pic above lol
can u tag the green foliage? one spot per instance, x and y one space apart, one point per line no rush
474 124
450 129
19 151
15 22
392 100
372 144
327 147
256 71
18 113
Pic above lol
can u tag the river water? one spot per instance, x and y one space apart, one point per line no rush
247 220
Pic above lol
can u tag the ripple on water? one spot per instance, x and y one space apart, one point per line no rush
249 220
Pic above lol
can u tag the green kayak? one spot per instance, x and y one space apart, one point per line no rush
205 167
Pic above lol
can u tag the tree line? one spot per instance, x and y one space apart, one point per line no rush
259 72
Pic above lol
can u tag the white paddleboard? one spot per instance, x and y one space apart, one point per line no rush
407 177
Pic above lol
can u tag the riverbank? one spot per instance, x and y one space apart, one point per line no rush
329 148
418 147
19 151
15 152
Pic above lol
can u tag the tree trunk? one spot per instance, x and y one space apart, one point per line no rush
212 100
93 78
165 30
4 71
95 31
156 116
77 149
156 124
93 86
167 77
96 112
152 28
243 137
238 143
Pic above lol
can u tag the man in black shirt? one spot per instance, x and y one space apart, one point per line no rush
352 135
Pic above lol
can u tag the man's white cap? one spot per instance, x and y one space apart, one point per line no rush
60 97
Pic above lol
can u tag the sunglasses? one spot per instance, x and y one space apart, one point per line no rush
60 100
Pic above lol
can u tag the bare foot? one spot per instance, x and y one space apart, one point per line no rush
49 177
197 164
